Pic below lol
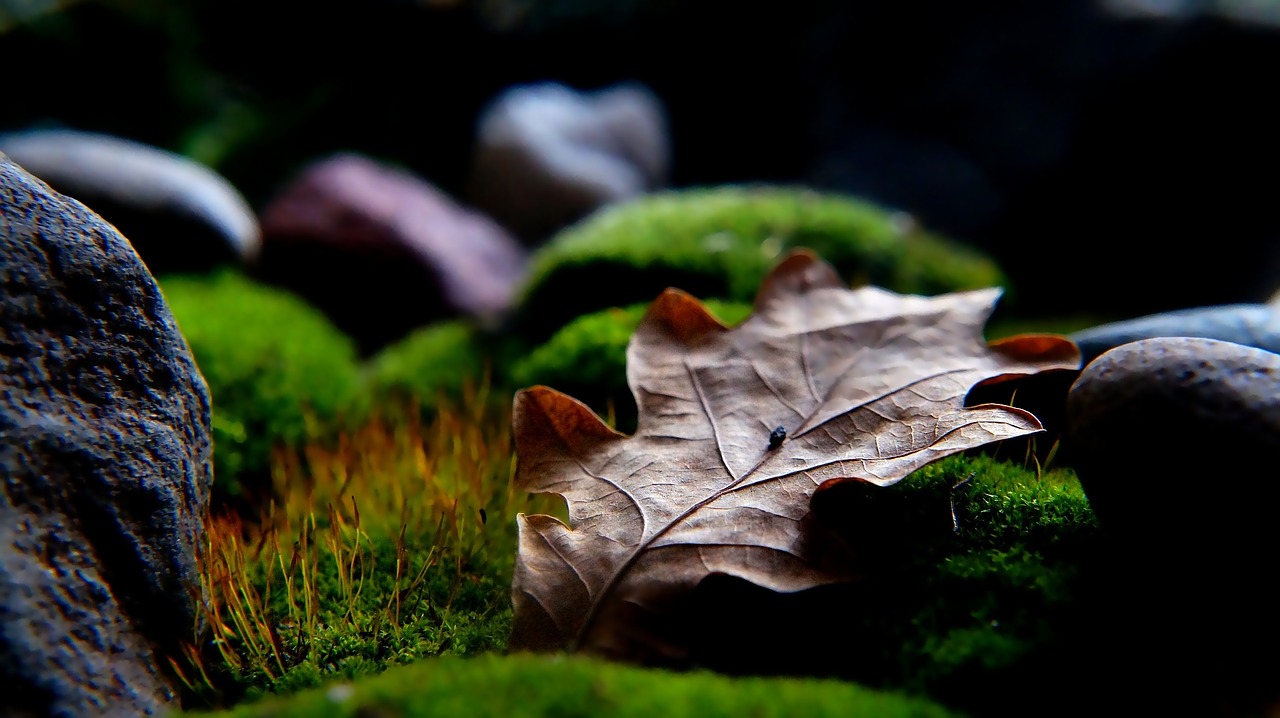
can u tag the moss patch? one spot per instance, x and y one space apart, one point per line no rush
979 573
393 545
279 373
720 242
979 583
587 358
442 362
564 686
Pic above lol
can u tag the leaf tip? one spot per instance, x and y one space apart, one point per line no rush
682 316
801 271
540 413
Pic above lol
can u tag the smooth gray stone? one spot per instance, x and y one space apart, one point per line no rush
1180 408
105 458
1253 325
1175 442
178 214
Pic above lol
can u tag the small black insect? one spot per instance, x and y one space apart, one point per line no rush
776 437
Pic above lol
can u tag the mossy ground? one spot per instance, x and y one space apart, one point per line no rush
564 687
278 371
396 547
393 543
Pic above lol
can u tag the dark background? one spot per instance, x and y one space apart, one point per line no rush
1114 163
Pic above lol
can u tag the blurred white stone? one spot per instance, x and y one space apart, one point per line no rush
177 213
547 155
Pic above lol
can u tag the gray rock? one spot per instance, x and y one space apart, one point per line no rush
178 214
104 452
383 252
547 155
1186 409
1175 442
1253 325
1241 11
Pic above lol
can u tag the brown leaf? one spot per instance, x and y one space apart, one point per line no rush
865 384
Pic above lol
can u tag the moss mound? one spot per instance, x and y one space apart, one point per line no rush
587 358
438 363
278 372
720 242
402 603
980 578
526 685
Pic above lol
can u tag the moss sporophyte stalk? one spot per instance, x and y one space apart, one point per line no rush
386 545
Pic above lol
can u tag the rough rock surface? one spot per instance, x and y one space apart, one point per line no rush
547 155
1254 325
104 452
180 215
1175 441
382 252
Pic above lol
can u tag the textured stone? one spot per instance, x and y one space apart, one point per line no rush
547 155
104 453
178 214
1146 406
382 252
1253 325
1175 441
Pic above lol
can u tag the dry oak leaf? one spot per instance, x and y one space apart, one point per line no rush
864 384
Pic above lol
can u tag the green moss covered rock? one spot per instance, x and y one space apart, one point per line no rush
720 242
278 371
587 358
439 362
527 685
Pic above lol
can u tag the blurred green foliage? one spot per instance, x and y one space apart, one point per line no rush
587 358
278 372
439 362
526 686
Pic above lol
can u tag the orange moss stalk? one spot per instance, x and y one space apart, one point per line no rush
385 545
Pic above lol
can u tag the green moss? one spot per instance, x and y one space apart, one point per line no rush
977 582
720 242
587 358
525 685
278 371
439 362
387 606
982 572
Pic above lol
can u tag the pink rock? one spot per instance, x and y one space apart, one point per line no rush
383 252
